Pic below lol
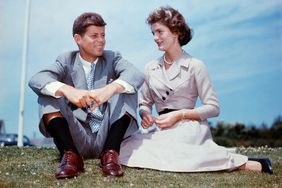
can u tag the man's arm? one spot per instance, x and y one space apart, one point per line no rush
83 98
51 89
127 87
101 95
79 97
125 70
55 72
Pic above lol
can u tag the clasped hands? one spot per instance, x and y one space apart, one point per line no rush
163 121
86 98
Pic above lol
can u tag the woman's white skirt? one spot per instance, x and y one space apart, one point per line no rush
186 147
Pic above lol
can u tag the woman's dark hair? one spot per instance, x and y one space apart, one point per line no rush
174 21
84 20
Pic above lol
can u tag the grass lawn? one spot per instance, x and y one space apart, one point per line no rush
35 167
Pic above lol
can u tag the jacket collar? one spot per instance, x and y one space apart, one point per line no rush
183 61
175 69
157 70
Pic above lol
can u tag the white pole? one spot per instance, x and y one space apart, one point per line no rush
23 75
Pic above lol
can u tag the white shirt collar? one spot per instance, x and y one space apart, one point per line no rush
86 65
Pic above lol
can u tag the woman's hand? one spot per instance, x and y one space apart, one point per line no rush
167 120
147 120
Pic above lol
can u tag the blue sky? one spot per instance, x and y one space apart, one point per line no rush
239 41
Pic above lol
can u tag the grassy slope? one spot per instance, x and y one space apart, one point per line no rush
35 167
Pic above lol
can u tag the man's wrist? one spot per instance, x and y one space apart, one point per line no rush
115 88
62 90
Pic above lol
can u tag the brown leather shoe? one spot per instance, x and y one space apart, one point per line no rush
71 165
110 164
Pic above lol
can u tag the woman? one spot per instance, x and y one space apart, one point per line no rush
182 141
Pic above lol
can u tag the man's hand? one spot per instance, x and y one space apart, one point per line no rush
78 97
101 95
84 98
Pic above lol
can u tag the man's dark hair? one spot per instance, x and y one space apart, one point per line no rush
86 19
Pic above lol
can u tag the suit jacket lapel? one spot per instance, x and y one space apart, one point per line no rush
100 74
78 75
176 69
173 71
174 77
158 74
179 76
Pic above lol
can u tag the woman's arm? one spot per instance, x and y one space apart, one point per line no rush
210 105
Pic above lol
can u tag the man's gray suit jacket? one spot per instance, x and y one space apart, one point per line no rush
68 69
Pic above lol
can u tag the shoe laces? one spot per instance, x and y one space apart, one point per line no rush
67 157
111 157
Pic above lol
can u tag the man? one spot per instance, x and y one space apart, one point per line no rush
88 100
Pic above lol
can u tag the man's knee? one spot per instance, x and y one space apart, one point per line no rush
48 117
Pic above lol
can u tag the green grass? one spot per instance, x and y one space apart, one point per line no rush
35 167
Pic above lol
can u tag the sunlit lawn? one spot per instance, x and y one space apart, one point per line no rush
35 167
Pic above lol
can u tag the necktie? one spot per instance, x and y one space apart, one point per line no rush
95 117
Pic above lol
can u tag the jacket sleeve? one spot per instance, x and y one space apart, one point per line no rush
210 105
127 72
55 72
146 100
